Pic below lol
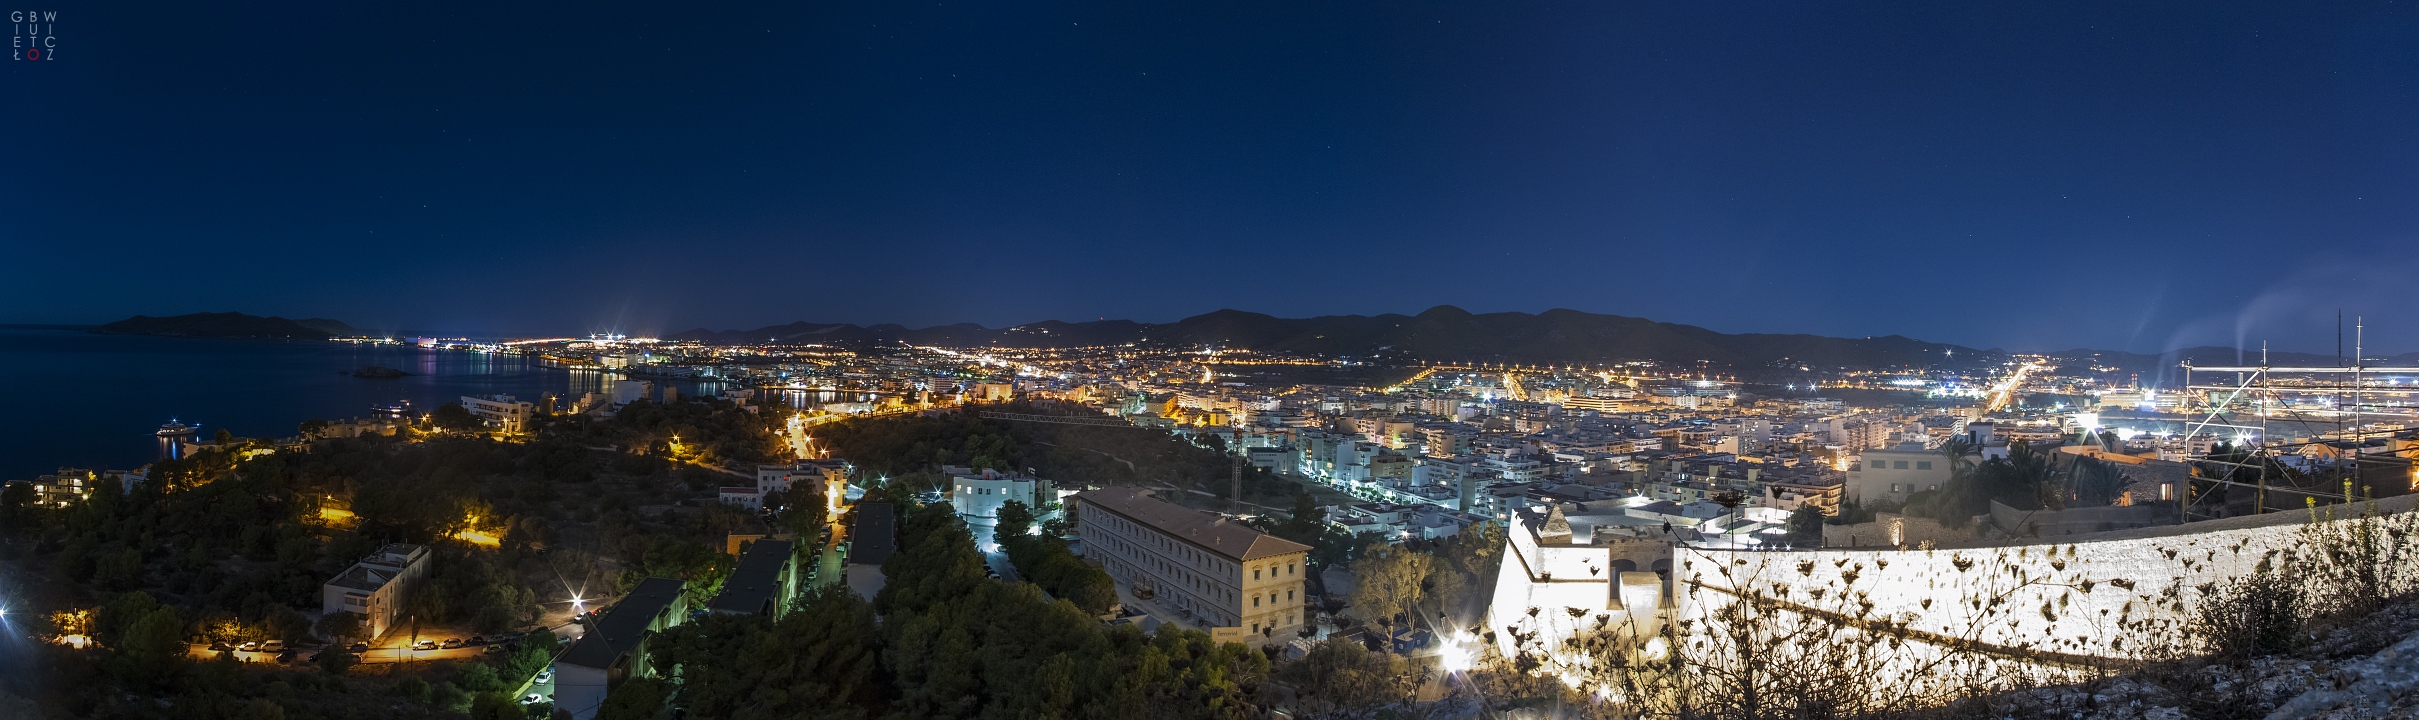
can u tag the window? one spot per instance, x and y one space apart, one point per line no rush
1879 465
1255 601
1289 568
1289 594
1900 465
1923 464
1255 573
1893 487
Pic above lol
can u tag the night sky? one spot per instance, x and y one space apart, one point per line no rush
2023 175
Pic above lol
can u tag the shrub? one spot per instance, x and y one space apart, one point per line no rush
2258 615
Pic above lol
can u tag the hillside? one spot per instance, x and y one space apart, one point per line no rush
228 325
1443 333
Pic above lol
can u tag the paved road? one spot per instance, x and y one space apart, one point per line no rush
375 655
388 652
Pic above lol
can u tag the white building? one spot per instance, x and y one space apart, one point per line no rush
742 496
377 586
1577 570
501 411
1896 473
978 495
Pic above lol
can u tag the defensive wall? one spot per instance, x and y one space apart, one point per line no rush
2079 597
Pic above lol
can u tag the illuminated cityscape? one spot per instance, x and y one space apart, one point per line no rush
1326 361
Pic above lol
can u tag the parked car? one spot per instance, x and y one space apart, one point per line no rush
358 648
451 643
273 646
476 640
544 676
221 646
425 645
249 646
285 657
532 699
496 650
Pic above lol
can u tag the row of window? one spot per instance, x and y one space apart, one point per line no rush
1898 465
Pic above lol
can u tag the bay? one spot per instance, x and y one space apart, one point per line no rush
86 400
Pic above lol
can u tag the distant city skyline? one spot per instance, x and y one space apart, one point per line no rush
2042 177
2350 340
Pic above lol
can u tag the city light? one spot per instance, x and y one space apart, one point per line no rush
1455 658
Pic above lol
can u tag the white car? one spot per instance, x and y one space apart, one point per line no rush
532 699
249 646
544 677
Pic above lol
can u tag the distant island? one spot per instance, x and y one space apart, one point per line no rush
229 325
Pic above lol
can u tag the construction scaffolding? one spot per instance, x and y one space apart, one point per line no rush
2292 437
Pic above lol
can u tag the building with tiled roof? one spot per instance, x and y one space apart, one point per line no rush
1211 571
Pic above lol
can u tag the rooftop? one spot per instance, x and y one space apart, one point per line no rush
757 580
875 538
1209 532
625 626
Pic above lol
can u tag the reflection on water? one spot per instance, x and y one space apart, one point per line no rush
834 400
87 400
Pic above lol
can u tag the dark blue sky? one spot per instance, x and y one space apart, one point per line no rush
2025 175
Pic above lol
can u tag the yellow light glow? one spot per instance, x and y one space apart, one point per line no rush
1455 658
328 514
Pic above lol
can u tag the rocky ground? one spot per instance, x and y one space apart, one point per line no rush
2369 669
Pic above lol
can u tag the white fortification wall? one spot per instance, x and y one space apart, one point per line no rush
2068 597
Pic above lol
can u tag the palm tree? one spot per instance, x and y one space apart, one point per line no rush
1958 449
1958 497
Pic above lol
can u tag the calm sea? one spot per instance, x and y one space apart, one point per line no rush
76 399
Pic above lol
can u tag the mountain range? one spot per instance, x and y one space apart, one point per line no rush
229 325
1442 334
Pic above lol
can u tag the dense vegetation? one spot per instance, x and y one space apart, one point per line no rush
912 449
1043 558
217 547
951 644
2024 479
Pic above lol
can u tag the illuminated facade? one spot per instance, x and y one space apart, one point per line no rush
1575 570
1237 581
502 412
377 586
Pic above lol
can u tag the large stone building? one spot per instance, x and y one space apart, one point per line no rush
1212 572
376 586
